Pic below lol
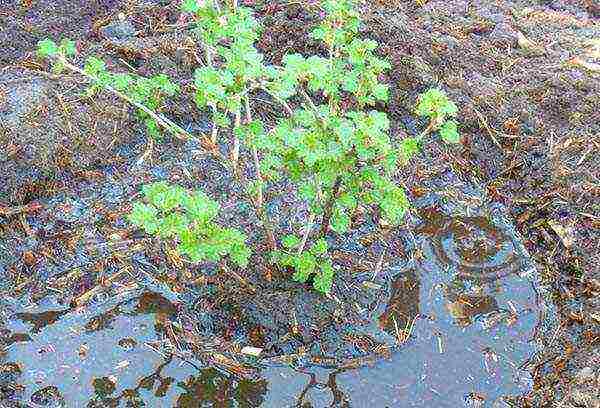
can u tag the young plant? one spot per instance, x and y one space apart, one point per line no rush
233 64
171 212
234 68
338 153
435 105
147 94
313 261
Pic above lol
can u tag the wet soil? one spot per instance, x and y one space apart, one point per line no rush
493 280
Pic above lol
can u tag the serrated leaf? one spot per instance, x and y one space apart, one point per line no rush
323 281
408 147
320 247
67 47
305 265
93 66
449 132
380 91
172 225
47 48
190 6
340 221
290 241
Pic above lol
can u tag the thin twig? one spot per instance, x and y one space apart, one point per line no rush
311 221
260 205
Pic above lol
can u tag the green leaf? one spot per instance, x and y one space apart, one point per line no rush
318 33
190 246
221 120
240 254
172 225
67 47
93 66
122 81
307 191
164 196
408 147
319 247
190 6
347 200
152 128
305 266
144 216
324 280
290 241
449 132
47 48
340 221
380 91
200 207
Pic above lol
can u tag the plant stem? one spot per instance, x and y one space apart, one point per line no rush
312 105
282 102
329 206
235 151
260 204
166 123
311 221
215 129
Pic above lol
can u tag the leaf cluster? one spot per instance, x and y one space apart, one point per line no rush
172 212
48 49
312 262
233 62
150 92
435 105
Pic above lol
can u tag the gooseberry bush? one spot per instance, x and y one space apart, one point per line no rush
330 141
169 211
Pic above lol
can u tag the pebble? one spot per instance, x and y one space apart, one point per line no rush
118 30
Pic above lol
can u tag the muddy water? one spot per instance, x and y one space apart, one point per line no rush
457 317
464 312
61 357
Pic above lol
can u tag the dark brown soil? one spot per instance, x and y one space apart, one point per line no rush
525 75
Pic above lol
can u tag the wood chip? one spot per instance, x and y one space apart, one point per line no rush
251 351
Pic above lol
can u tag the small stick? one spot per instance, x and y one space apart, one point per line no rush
85 297
311 220
482 119
260 198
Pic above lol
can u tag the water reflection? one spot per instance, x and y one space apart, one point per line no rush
119 353
67 358
339 399
472 246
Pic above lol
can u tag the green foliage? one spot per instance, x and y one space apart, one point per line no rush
334 147
150 92
228 35
313 261
171 212
317 146
435 105
48 49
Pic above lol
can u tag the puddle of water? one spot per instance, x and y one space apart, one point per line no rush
59 357
457 317
464 310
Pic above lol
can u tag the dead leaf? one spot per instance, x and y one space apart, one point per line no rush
528 45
